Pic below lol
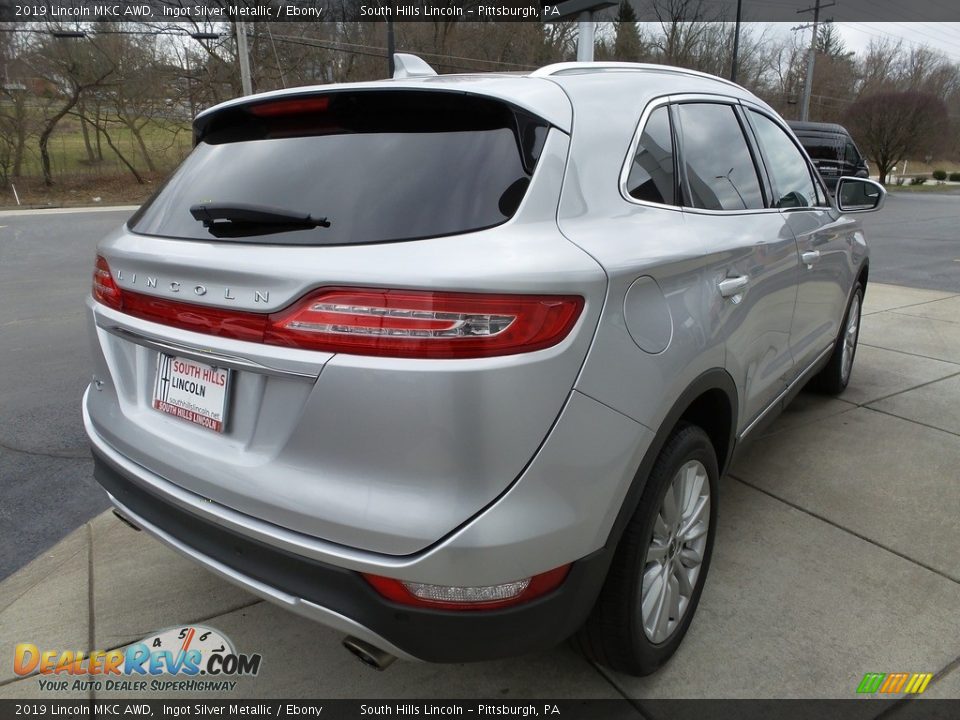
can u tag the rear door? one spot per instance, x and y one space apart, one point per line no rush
823 238
725 199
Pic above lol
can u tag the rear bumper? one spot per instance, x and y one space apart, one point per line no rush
342 599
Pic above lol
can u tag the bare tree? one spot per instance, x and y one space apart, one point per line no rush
891 126
138 88
74 67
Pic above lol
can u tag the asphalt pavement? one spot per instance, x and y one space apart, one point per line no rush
46 483
915 241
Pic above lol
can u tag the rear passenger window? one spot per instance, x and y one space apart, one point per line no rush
720 174
651 173
791 174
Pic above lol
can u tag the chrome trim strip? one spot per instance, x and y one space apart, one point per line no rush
303 607
565 67
208 357
786 391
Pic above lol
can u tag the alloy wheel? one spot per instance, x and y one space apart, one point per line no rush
850 339
675 554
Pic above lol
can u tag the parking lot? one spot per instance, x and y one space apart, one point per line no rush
836 554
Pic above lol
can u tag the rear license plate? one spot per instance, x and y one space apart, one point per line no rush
192 391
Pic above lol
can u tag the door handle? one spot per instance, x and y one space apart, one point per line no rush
731 287
809 258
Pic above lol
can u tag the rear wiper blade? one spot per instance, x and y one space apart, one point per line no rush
244 213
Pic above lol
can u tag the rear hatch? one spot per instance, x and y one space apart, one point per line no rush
366 293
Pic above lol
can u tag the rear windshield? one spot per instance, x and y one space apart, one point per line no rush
380 166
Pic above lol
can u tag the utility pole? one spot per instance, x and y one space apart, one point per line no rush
244 57
811 58
736 43
584 11
586 28
391 46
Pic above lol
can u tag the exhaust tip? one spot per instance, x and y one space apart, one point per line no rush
368 654
125 521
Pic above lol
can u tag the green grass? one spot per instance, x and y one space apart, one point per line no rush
167 141
928 187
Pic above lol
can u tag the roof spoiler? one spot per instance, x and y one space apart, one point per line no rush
408 66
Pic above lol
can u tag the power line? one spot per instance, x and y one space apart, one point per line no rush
381 52
337 45
867 29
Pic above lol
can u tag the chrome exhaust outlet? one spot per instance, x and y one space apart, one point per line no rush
368 654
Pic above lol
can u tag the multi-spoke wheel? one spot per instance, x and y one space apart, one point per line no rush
660 565
835 376
675 553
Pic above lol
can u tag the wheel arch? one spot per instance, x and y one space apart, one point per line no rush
710 402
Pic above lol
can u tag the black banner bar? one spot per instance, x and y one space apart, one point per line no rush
85 11
499 709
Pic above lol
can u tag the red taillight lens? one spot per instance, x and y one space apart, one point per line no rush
105 290
408 323
391 323
234 324
458 597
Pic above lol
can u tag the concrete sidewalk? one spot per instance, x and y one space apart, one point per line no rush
838 553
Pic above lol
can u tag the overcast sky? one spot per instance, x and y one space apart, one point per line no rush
942 36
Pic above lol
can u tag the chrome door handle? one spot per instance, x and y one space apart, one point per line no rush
809 258
732 287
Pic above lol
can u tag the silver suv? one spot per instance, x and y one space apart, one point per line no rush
454 364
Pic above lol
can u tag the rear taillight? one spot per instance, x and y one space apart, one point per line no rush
295 106
365 321
468 597
407 323
234 324
105 290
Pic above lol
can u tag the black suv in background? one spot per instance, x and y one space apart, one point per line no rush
832 150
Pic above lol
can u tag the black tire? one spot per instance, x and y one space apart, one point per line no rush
614 635
832 380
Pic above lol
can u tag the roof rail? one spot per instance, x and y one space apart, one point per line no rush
407 66
557 68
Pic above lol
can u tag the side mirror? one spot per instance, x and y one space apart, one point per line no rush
859 195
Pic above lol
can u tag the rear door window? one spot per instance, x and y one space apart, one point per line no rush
719 170
379 165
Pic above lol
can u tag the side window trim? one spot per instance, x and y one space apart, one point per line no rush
756 152
674 148
682 184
